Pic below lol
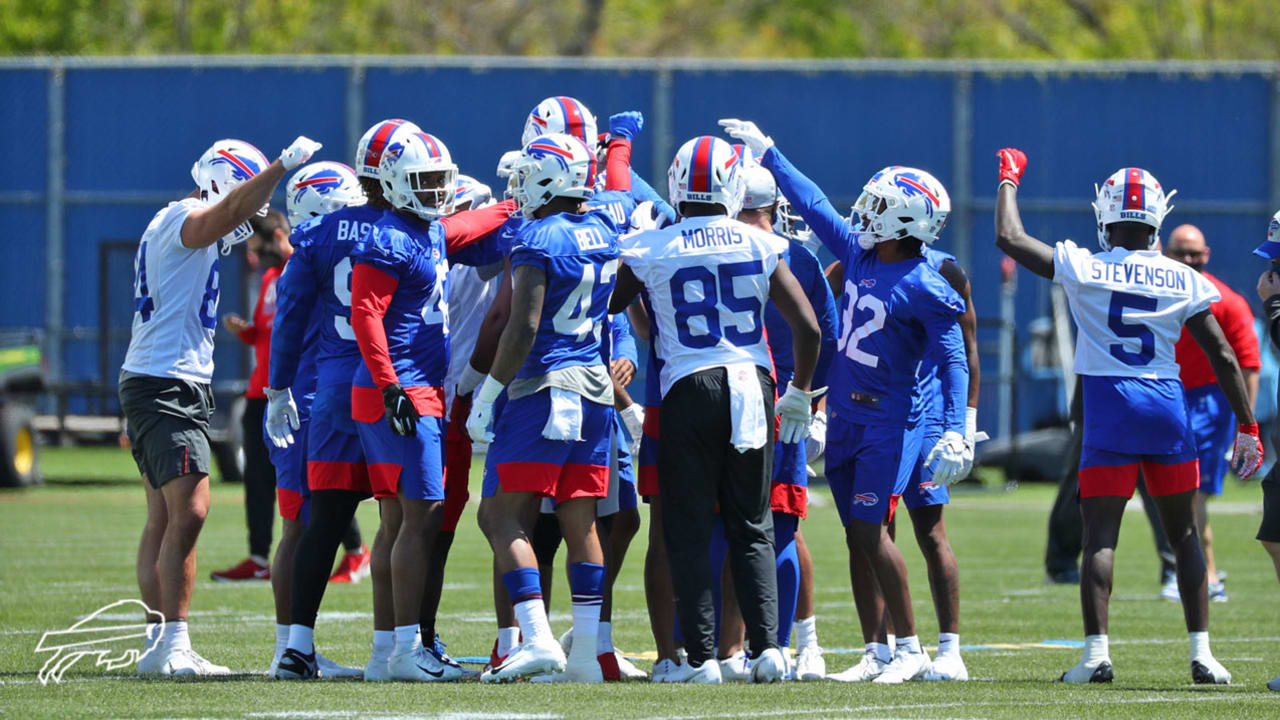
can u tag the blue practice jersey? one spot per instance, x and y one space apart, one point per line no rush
578 254
296 310
619 343
808 271
928 404
890 313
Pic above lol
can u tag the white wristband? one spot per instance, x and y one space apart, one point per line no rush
470 379
489 390
970 421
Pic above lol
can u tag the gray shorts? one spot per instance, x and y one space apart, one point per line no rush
1269 531
168 425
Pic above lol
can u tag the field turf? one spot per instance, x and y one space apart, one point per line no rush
68 549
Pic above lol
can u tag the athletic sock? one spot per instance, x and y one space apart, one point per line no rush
525 590
604 638
155 633
508 638
1095 649
302 639
282 639
892 642
807 632
586 583
948 644
259 559
175 635
882 651
406 639
384 643
1200 646
910 644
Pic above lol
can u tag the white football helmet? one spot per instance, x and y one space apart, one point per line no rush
375 140
226 164
418 165
706 170
759 188
470 194
319 189
555 165
1131 195
561 114
900 202
788 223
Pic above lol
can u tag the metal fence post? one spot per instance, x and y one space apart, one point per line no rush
55 239
962 159
663 123
355 103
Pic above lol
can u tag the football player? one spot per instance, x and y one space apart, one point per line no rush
708 278
1131 304
1269 293
894 309
563 264
165 379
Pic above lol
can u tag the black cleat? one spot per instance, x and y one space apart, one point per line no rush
1101 674
295 665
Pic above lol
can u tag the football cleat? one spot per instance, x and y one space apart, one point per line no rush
905 667
188 663
248 569
608 663
1169 591
1208 671
331 670
353 567
706 674
582 670
1218 591
627 669
377 671
868 668
664 671
295 665
735 668
531 658
419 665
438 650
1274 685
566 641
770 667
947 668
810 665
1081 673
152 662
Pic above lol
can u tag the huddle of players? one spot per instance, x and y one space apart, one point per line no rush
365 367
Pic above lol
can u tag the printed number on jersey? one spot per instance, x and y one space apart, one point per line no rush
574 316
851 335
1121 301
342 289
435 311
709 308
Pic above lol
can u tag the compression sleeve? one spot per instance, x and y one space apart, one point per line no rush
295 299
468 226
371 292
617 164
624 343
953 370
824 306
807 198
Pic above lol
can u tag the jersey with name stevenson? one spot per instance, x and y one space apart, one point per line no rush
318 276
1130 307
928 400
578 254
707 282
175 300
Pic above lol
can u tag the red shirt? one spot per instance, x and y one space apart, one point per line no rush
1236 319
258 334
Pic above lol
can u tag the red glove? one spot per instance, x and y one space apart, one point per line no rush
1012 163
1247 457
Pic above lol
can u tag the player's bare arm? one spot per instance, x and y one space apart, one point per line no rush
495 321
956 277
626 289
1208 334
1011 238
789 297
528 289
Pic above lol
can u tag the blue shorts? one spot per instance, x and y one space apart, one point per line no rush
921 490
335 457
410 465
789 492
525 461
863 464
290 462
1213 429
622 476
489 478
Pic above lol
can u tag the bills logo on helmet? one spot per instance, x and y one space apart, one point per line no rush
323 182
912 185
241 167
1273 230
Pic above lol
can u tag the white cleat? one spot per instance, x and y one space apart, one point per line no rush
664 670
706 674
947 668
152 662
566 641
1208 671
905 667
580 671
627 669
188 663
377 671
1274 685
330 669
868 668
1099 672
531 658
419 665
735 668
1169 591
810 665
770 667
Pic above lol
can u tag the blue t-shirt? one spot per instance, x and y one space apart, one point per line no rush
808 271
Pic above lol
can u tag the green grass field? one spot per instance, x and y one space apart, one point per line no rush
69 549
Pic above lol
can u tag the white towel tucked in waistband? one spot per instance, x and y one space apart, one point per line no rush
746 408
565 419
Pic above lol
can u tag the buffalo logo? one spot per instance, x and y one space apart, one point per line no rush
929 485
323 183
867 282
101 633
1273 230
868 499
912 185
241 167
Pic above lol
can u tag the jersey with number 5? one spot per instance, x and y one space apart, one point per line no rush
1130 308
318 276
706 281
578 255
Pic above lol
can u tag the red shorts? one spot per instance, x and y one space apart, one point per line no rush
335 459
457 468
564 470
1110 474
647 485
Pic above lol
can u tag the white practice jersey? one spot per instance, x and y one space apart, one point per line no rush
1130 307
470 296
706 281
175 300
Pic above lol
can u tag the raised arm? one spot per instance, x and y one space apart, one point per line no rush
623 128
1011 238
470 226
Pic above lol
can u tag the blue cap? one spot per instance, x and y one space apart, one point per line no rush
1271 248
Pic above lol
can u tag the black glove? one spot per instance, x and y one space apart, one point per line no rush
402 416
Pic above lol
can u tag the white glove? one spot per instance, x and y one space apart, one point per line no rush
644 217
816 445
970 439
480 421
506 161
633 422
282 414
299 152
949 454
793 408
470 380
746 131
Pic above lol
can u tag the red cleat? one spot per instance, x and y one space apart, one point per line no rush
494 660
247 570
609 667
353 567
